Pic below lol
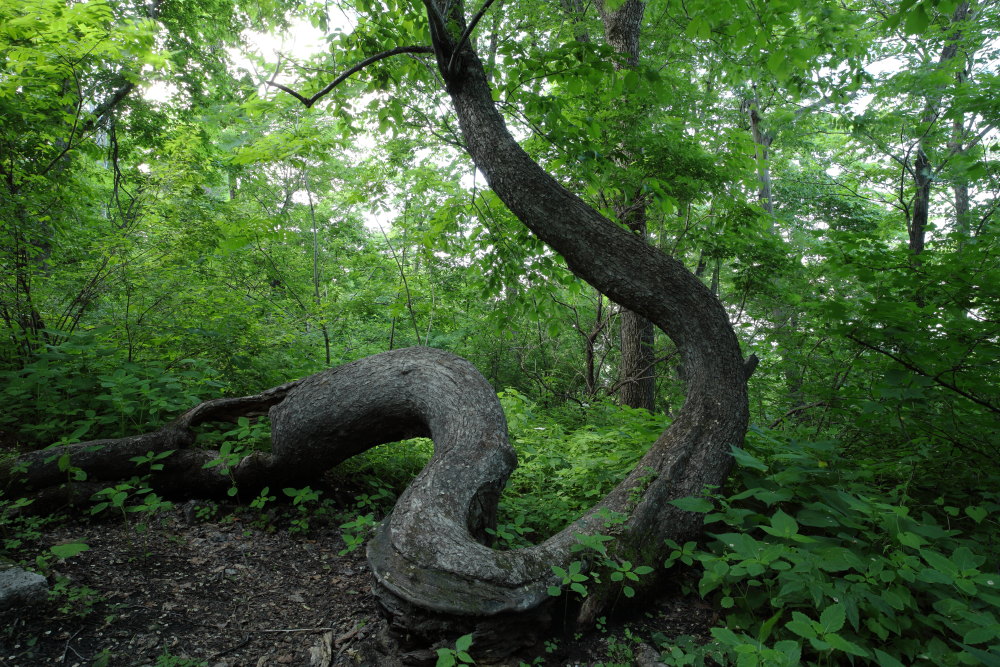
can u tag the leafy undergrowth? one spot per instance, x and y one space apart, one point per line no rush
809 558
812 562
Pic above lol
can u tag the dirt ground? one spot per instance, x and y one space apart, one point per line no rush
225 589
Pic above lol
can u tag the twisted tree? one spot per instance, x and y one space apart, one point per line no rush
430 557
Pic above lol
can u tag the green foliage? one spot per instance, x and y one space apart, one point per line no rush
562 471
387 469
572 578
237 443
130 497
355 532
814 563
68 550
73 600
448 657
167 659
80 389
306 506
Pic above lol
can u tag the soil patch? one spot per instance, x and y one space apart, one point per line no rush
217 589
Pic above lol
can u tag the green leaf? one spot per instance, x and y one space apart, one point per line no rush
726 636
767 627
841 644
692 504
778 63
68 550
939 562
464 642
832 618
916 20
446 658
886 660
980 635
801 625
988 658
976 513
746 459
782 525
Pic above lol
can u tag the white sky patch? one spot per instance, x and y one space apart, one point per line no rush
300 42
474 179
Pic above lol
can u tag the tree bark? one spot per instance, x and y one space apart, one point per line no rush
922 170
428 557
622 28
762 148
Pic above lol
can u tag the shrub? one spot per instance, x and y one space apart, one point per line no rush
813 563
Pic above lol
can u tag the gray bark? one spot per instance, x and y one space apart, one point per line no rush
622 28
922 170
428 556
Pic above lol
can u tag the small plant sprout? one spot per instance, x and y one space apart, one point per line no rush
354 532
152 460
448 657
573 577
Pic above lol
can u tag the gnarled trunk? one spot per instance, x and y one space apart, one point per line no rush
428 556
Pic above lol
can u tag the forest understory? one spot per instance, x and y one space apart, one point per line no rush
208 583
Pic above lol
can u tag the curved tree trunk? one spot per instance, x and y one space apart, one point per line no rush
429 555
694 451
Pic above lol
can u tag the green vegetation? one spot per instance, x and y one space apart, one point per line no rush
173 229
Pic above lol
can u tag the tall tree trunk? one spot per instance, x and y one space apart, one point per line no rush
622 28
575 10
762 141
920 209
960 187
922 170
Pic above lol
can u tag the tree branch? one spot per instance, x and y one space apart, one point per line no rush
919 371
309 101
468 31
796 410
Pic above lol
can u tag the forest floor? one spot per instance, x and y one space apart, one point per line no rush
219 588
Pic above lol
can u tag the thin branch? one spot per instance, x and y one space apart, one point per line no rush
919 371
468 31
796 410
309 101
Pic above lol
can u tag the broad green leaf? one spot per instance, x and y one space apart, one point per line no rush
841 644
68 550
886 660
980 635
832 618
801 625
916 20
746 459
692 504
976 513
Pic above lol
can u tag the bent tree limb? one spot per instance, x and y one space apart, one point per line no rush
692 453
429 555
